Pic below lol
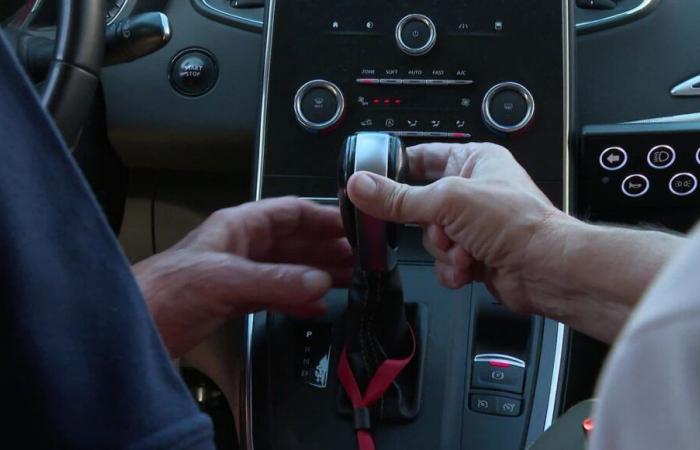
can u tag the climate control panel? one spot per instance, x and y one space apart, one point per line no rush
453 71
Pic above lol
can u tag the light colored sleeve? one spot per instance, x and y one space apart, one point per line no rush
650 389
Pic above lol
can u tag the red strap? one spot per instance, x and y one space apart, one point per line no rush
387 372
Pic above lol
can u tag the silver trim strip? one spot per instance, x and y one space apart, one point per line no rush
567 22
692 117
420 50
487 357
508 85
248 347
246 20
639 11
688 88
167 32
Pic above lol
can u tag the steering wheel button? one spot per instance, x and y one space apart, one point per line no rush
661 156
613 158
697 156
683 184
635 185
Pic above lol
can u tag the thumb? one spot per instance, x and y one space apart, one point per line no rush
388 200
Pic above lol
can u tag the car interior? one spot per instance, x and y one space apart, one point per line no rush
176 108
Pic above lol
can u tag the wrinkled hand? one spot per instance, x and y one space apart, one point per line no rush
280 254
482 218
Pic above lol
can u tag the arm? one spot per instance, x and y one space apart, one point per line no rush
485 220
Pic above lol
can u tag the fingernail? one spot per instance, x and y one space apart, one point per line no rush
364 186
316 280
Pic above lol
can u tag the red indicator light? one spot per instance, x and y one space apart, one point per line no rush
397 101
375 101
587 425
499 364
387 101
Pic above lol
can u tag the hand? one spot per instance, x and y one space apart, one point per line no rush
279 254
485 220
479 218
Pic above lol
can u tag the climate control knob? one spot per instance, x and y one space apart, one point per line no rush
416 34
508 107
319 105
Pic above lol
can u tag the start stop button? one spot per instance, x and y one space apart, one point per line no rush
193 72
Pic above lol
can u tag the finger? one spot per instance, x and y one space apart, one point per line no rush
312 252
268 220
452 277
305 311
388 200
434 245
430 162
249 285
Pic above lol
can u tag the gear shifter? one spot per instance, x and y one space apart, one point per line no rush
384 338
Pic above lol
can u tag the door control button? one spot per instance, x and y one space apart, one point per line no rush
635 185
613 158
319 105
487 404
661 156
683 184
415 34
498 372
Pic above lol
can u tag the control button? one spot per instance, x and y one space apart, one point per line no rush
319 105
508 406
390 81
437 82
193 72
461 82
367 81
487 404
661 156
498 372
613 158
683 184
635 185
409 82
697 156
508 107
415 34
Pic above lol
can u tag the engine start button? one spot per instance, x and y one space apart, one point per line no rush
193 72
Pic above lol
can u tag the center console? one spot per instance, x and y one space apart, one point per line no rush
420 71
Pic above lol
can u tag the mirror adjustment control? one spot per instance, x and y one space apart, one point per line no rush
498 372
508 107
319 105
416 34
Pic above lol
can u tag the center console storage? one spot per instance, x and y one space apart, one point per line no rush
423 71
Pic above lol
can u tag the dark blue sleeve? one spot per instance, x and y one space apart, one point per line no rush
83 365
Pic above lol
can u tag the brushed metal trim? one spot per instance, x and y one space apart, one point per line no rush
680 118
639 11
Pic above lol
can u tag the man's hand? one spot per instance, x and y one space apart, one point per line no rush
484 219
479 217
280 255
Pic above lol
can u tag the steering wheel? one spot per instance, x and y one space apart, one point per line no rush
74 71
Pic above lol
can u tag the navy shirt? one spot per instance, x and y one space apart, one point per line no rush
83 366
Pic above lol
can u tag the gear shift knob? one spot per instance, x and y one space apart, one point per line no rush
374 241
